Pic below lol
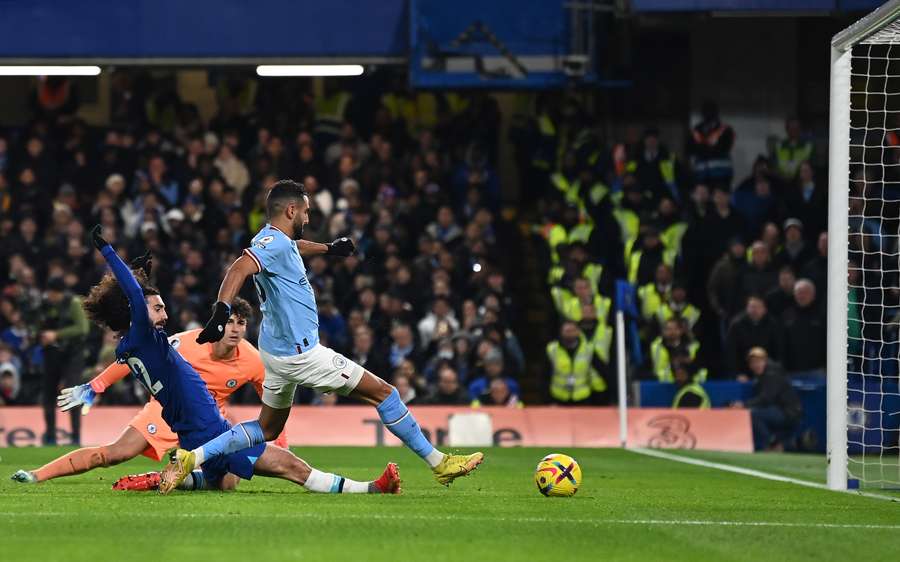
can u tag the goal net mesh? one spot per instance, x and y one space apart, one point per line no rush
873 421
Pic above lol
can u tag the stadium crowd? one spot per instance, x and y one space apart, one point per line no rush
721 270
423 302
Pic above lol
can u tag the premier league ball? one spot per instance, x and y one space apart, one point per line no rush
557 475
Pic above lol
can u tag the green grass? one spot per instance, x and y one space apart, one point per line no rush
630 507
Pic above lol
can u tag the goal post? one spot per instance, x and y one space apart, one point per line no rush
862 443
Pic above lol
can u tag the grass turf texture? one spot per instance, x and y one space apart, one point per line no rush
629 507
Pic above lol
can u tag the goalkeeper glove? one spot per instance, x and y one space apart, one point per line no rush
98 240
82 395
215 326
342 247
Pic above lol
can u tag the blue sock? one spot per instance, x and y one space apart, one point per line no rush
400 421
241 436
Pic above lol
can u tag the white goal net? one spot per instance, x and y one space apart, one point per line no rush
864 400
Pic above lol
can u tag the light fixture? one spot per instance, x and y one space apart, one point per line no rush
309 70
49 70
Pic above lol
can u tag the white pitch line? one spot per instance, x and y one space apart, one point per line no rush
751 472
413 517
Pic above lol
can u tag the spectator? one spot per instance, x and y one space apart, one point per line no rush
760 277
755 328
493 369
64 329
448 391
709 147
363 353
805 333
816 269
807 199
406 390
775 408
402 346
10 384
781 297
439 323
498 394
797 252
723 287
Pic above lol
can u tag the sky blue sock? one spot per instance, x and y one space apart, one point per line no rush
399 421
241 436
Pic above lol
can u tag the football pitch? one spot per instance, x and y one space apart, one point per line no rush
630 507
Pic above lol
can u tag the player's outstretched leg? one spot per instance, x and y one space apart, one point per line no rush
397 418
281 463
129 445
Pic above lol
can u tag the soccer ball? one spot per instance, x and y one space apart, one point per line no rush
558 475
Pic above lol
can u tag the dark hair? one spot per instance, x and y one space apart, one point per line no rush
107 304
756 296
282 193
242 309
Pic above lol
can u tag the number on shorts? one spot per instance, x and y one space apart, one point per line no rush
137 367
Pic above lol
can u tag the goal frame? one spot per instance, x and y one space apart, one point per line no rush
838 232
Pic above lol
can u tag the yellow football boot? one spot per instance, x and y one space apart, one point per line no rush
454 466
181 463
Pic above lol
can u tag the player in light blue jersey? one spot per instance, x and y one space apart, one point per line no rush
290 349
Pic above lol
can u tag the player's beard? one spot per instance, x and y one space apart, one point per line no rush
298 231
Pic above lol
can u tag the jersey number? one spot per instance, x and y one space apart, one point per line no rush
137 367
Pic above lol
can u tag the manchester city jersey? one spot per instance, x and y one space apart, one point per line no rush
290 322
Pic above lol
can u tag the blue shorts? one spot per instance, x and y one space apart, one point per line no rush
240 464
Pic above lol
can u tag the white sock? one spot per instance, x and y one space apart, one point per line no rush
187 483
327 483
354 487
434 458
199 456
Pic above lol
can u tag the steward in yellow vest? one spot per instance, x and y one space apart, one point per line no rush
678 308
652 296
689 394
573 376
663 348
792 151
655 167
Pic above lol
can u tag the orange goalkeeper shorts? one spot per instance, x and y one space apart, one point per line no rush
156 431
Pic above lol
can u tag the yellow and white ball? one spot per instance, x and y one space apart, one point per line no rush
558 475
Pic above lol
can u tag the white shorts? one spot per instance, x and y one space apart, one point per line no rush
319 368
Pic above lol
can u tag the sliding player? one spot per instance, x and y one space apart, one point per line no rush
290 349
187 406
225 367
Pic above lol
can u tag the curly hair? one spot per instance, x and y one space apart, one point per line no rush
242 309
107 304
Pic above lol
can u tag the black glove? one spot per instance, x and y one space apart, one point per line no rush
144 263
215 326
98 240
342 247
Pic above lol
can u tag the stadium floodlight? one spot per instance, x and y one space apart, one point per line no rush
49 70
863 253
309 70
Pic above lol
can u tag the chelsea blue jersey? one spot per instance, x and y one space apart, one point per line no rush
290 324
188 407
